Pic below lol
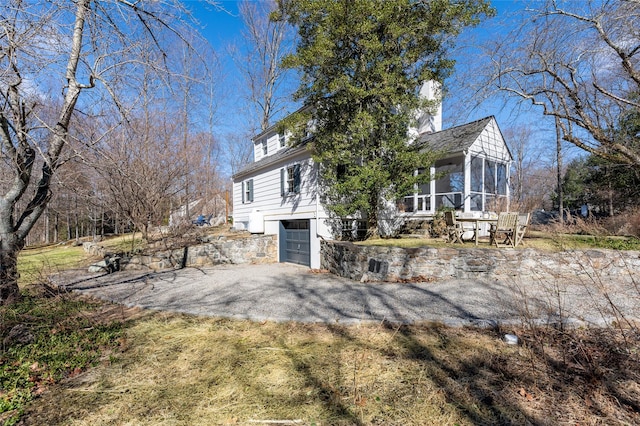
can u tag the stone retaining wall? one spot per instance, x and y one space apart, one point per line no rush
252 249
371 263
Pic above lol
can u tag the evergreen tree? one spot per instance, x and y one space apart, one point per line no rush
361 64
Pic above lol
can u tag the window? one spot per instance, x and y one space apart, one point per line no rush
290 180
282 140
265 149
247 191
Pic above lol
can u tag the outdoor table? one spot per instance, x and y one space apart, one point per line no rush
476 221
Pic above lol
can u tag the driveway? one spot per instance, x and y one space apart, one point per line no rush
286 292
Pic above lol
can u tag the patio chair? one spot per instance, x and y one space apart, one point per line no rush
507 225
523 223
454 228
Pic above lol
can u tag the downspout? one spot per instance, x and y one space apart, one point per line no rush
466 194
317 166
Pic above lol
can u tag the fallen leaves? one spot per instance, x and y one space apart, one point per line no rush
526 395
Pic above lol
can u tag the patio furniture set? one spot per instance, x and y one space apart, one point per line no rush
505 230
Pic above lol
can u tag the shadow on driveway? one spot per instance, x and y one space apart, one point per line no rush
286 292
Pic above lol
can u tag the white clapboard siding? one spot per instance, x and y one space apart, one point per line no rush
267 197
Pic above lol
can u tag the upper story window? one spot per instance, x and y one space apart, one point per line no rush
282 140
265 148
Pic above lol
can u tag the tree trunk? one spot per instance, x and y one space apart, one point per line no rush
559 157
47 220
69 235
9 249
56 228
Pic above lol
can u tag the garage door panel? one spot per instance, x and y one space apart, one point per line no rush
295 241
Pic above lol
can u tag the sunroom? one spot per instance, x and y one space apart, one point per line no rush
472 176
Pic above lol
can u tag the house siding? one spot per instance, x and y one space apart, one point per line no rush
271 207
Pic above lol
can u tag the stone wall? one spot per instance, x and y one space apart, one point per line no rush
252 249
371 263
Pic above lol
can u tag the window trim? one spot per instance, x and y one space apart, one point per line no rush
290 180
247 191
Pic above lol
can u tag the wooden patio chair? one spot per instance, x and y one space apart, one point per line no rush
523 223
507 225
454 228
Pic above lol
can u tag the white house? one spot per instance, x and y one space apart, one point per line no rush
278 193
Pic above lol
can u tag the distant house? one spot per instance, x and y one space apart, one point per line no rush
279 192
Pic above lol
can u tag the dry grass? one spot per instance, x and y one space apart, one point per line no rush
181 370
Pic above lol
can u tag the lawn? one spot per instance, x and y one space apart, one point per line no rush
533 239
36 263
92 363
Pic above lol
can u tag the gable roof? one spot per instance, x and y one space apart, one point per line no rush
454 139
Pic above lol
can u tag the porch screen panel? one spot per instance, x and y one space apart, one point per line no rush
490 177
425 188
476 174
477 184
450 186
476 202
501 179
453 179
424 192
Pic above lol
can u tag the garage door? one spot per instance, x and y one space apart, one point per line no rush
294 242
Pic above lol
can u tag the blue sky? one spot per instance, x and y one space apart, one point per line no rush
223 27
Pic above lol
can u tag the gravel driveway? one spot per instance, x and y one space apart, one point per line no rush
285 292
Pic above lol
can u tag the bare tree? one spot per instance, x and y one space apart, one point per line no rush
266 43
521 147
239 150
99 44
138 170
193 89
559 163
258 55
579 62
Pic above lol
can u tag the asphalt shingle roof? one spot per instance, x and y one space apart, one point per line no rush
454 139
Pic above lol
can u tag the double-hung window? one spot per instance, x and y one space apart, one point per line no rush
282 139
290 180
247 191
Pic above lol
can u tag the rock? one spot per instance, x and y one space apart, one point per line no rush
108 265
